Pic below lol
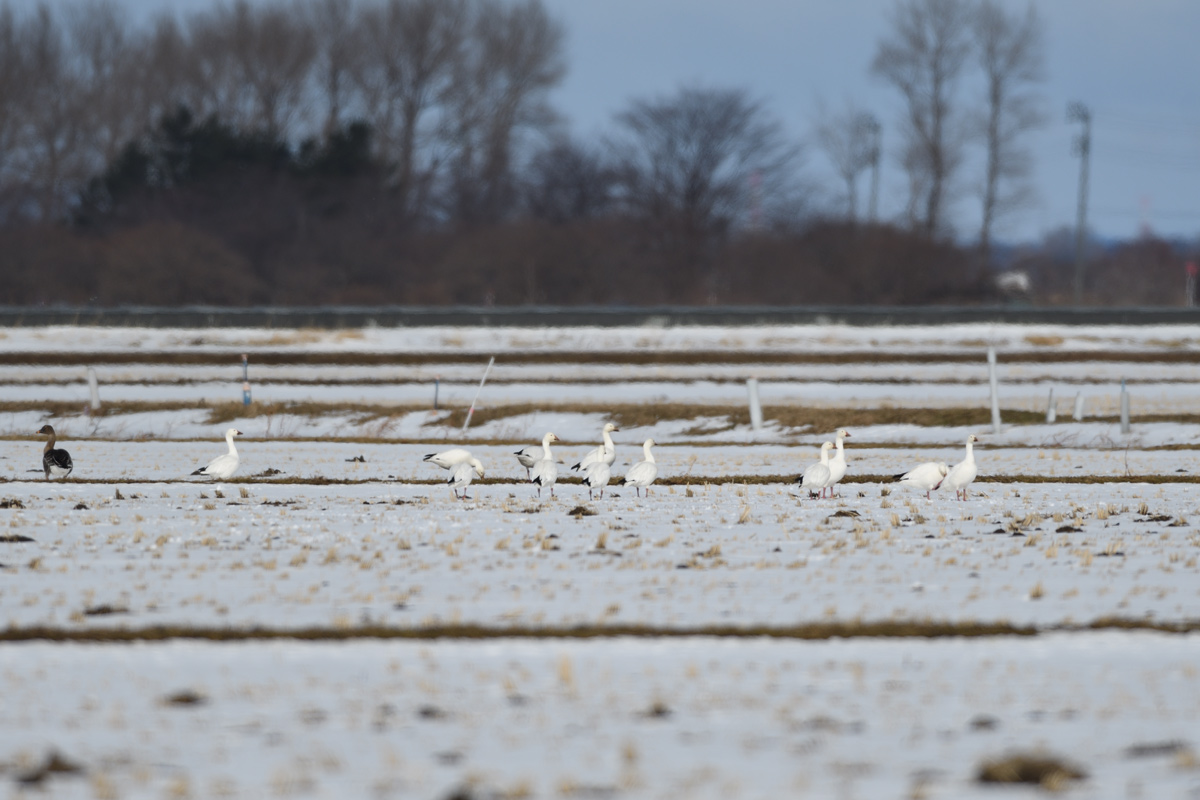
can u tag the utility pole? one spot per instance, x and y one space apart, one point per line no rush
1078 112
875 130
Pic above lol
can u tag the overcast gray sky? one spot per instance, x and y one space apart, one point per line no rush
1136 64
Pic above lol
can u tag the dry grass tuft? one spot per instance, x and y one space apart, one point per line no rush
186 697
54 764
1046 771
104 609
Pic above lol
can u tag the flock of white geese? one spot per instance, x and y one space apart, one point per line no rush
595 468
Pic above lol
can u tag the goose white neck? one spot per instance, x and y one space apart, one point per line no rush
229 438
646 450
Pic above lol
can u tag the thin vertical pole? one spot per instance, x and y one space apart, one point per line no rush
94 389
991 357
245 379
755 408
1078 112
471 410
1124 408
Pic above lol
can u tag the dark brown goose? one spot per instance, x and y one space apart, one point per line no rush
54 462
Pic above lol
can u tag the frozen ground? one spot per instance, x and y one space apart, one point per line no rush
292 556
765 338
698 717
679 714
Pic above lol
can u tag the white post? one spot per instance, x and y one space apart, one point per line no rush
991 355
1051 411
755 408
1124 408
94 389
246 379
1078 406
471 410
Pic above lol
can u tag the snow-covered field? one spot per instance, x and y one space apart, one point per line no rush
725 697
698 717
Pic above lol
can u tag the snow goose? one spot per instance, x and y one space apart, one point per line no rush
642 473
449 459
817 476
223 466
597 476
527 457
606 452
961 474
462 475
54 462
927 476
545 471
837 464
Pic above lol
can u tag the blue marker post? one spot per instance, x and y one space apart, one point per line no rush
245 379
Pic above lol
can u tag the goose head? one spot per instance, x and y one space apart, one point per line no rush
46 430
609 427
843 434
476 465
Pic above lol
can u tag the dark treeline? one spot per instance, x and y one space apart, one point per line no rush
406 151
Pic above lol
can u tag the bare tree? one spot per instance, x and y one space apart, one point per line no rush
106 55
250 65
923 57
403 74
566 181
53 154
13 87
501 93
698 161
851 140
1010 51
337 39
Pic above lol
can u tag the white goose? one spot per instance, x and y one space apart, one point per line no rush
597 476
223 466
606 452
643 473
462 475
927 476
961 474
527 457
817 476
837 464
449 459
545 471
